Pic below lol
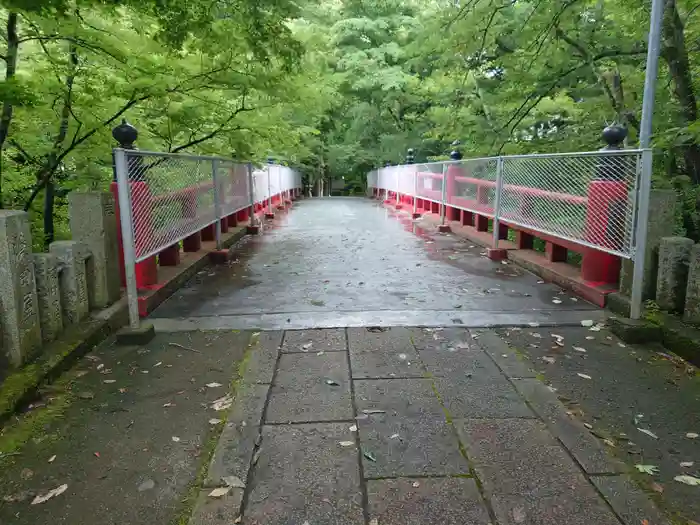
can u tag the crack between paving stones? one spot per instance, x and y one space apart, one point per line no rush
259 441
358 444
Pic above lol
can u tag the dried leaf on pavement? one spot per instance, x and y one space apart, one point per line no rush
688 480
691 435
50 494
175 439
353 428
369 411
579 349
332 382
587 323
549 360
220 491
346 443
584 376
687 464
222 403
369 456
214 421
306 346
52 458
214 385
648 432
233 481
647 469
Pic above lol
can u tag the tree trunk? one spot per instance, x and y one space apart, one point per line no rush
10 69
676 55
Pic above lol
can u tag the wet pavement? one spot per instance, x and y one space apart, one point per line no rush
349 262
408 426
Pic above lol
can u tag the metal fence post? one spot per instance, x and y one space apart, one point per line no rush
396 195
443 198
217 201
121 167
269 188
644 185
415 189
251 194
497 201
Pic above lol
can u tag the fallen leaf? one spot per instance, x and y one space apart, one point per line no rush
50 494
100 366
687 464
403 357
233 481
585 376
214 385
647 469
332 382
393 436
369 411
536 335
175 439
622 345
533 325
416 484
648 432
52 458
609 442
222 403
158 364
220 491
549 360
587 323
688 480
656 487
122 390
556 301
691 435
374 521
214 421
168 405
109 381
579 349
353 428
306 346
369 456
346 443
590 337
96 454
518 515
320 353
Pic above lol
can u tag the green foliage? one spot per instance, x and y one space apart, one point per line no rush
340 87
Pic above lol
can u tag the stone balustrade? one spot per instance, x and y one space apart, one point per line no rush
43 294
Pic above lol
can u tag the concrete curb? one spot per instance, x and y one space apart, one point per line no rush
20 387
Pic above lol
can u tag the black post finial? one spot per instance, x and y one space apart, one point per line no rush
614 135
125 134
410 156
455 154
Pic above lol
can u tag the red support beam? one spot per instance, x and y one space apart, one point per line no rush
554 252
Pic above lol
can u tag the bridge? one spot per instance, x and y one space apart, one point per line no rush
378 377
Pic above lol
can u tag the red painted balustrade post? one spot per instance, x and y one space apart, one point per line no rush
188 202
451 174
605 213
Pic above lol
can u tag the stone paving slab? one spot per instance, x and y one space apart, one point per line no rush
508 360
388 353
304 475
630 503
409 447
481 397
327 340
423 501
580 443
459 362
405 398
263 357
572 508
301 392
517 456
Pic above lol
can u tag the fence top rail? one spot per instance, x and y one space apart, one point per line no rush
599 153
144 153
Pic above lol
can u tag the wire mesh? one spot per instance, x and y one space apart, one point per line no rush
260 186
172 196
429 180
586 198
232 180
471 185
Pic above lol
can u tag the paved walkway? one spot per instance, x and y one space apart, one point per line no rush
342 412
407 426
338 262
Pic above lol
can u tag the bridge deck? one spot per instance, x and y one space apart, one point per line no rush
345 262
